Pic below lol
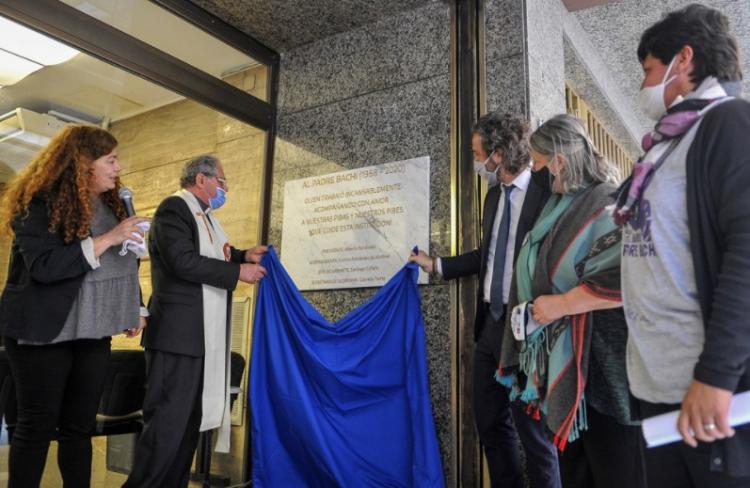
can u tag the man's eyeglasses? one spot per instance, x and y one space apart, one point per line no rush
222 180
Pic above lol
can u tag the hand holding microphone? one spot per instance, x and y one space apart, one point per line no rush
130 231
129 228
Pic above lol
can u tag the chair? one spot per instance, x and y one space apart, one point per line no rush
120 408
203 453
121 405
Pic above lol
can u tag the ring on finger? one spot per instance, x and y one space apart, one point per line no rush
709 426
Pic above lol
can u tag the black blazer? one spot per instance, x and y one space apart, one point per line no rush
178 272
475 262
44 277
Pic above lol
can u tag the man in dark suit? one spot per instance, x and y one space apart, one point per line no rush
513 202
193 271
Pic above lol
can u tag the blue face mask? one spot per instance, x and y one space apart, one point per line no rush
219 199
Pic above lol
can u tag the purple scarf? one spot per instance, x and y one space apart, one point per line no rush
671 127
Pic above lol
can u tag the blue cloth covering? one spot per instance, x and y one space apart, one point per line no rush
344 404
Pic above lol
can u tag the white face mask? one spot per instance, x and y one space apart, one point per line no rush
651 98
480 167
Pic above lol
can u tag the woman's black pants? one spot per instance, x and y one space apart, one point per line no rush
58 387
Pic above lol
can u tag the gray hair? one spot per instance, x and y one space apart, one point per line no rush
566 135
205 163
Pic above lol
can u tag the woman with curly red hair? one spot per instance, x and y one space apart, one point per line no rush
68 292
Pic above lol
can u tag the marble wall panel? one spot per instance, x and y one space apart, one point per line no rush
286 24
600 100
506 85
615 30
405 48
504 28
408 121
533 48
600 83
506 57
546 63
372 95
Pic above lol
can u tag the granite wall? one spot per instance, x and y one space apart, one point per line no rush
533 47
277 23
590 72
615 29
523 56
372 95
505 56
546 71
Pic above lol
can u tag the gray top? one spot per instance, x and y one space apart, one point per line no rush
108 301
659 291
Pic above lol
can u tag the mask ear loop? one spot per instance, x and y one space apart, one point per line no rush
499 165
488 159
664 80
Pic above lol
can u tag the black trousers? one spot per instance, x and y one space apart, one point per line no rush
678 465
172 418
607 455
501 424
58 388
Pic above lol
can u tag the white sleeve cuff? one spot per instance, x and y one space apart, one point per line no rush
144 312
439 266
87 245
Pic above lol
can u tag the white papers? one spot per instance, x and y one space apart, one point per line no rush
662 429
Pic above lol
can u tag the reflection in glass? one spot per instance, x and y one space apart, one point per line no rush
158 131
23 51
165 31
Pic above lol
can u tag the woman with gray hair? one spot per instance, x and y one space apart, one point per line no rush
564 348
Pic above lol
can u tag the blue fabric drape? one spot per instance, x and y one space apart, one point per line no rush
344 404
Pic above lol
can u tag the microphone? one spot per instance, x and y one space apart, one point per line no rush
127 199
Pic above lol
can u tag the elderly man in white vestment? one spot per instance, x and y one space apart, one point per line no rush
193 273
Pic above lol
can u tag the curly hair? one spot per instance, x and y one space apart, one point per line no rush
506 135
61 174
706 30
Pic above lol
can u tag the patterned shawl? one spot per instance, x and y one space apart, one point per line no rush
574 242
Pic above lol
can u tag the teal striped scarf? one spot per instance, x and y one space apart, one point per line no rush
574 242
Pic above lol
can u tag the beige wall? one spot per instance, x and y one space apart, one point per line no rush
153 148
155 145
